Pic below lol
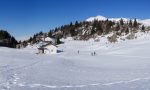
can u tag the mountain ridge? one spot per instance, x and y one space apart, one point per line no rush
145 22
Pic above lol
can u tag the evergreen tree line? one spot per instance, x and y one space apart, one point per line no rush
78 30
7 40
85 30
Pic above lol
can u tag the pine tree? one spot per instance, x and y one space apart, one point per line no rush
135 24
56 29
13 42
72 32
50 33
58 41
30 39
71 24
130 23
121 22
34 39
40 33
76 24
143 28
127 31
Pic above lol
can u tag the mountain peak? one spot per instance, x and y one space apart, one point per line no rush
146 22
99 17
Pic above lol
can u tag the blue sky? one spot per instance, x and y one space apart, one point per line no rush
23 18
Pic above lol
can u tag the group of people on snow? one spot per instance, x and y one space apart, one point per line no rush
92 53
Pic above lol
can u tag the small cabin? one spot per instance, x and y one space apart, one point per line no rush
41 50
47 49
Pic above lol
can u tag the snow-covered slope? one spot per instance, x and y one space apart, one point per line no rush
146 22
118 19
96 18
121 66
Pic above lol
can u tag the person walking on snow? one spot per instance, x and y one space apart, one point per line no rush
94 53
78 51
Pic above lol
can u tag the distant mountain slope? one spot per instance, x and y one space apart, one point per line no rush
145 22
99 18
97 26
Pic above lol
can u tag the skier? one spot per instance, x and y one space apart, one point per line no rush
78 52
94 53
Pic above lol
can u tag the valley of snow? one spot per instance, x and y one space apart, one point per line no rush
124 65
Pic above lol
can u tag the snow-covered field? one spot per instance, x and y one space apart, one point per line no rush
121 66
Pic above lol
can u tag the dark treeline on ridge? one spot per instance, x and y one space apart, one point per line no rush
7 39
85 30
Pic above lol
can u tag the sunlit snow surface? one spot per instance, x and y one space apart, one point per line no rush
121 66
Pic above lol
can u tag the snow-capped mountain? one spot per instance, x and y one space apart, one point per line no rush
99 17
96 18
146 22
118 19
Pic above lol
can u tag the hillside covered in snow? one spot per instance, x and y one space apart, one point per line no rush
93 28
116 66
96 54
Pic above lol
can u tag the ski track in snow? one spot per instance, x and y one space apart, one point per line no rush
21 67
132 56
13 81
15 78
